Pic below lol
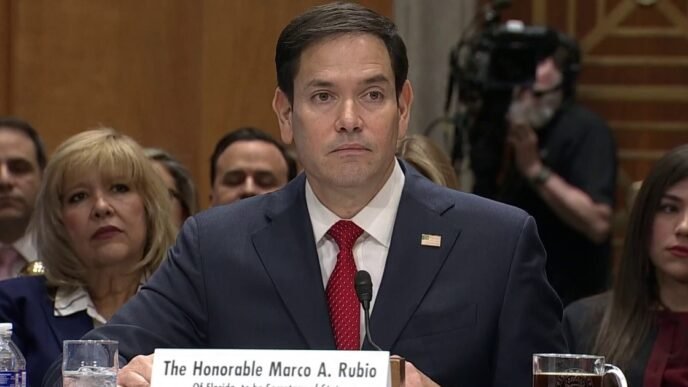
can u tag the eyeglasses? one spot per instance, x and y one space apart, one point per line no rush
542 93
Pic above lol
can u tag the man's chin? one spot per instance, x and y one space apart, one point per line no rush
11 215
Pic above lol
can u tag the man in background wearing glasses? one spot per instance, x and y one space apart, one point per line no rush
563 172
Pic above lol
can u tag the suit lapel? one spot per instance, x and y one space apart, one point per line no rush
286 247
411 267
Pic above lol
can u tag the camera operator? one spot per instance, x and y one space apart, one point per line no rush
561 168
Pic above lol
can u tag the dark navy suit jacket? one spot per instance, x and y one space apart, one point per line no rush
36 330
470 312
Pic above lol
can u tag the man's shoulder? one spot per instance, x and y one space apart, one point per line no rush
254 212
465 205
575 115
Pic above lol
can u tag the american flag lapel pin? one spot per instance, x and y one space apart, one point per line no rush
430 240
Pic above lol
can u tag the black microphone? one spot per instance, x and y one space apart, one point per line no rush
364 292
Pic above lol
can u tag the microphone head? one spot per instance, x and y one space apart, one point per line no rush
364 286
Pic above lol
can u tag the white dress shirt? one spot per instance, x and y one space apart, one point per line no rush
377 221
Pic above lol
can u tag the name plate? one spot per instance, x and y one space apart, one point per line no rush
269 368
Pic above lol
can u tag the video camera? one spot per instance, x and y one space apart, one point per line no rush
490 60
500 58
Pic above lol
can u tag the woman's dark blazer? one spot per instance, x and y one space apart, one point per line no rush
582 322
37 332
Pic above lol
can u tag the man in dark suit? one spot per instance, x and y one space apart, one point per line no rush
22 159
459 281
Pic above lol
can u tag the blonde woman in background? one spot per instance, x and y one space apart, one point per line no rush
103 227
428 159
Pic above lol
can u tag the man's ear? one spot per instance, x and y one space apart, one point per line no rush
404 103
283 110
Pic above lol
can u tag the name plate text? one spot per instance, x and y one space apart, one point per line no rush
269 368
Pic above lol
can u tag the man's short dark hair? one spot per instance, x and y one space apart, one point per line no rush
25 128
331 20
249 134
567 59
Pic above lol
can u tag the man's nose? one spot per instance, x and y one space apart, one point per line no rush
349 118
249 188
6 177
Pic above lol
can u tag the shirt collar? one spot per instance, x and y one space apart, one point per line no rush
25 247
69 301
376 218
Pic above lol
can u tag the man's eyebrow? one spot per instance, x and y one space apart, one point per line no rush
319 83
380 78
17 158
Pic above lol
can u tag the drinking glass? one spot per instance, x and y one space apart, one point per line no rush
90 363
571 370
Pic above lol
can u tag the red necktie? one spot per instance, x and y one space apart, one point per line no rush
341 296
8 259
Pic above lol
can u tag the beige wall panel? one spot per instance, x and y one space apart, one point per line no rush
128 64
5 49
639 110
637 75
172 74
651 139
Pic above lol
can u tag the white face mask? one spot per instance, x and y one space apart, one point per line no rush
534 111
519 111
540 116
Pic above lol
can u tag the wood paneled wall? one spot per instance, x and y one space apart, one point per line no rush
635 74
172 74
5 29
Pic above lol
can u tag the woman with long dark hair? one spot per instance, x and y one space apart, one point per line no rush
642 324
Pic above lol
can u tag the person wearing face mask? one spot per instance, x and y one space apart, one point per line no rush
562 170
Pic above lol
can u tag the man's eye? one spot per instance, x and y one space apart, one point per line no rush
265 180
234 178
322 97
19 166
375 96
